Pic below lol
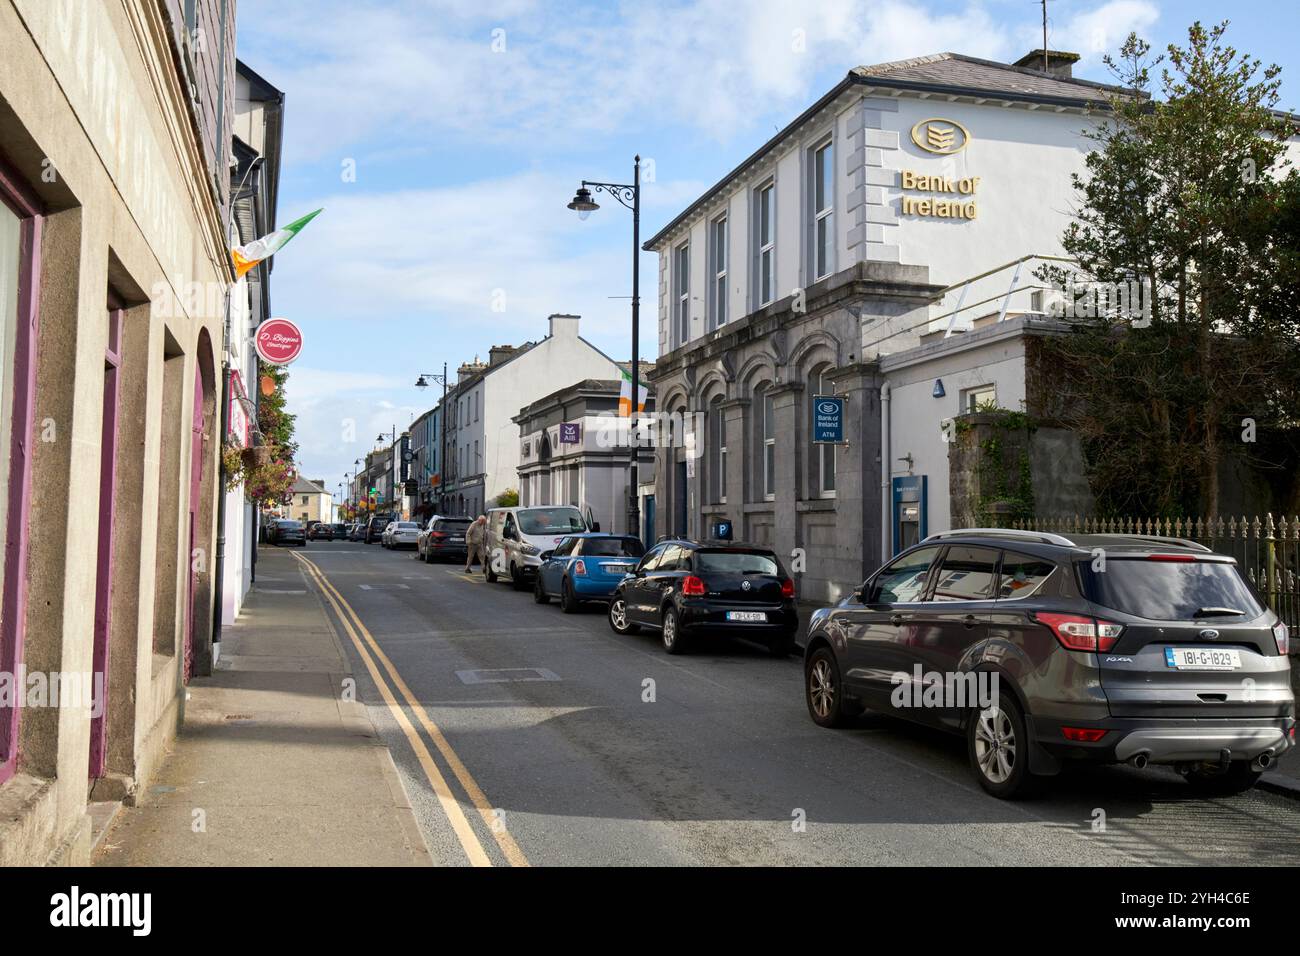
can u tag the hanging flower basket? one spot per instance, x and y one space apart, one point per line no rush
257 456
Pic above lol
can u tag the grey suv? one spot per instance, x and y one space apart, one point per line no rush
1041 648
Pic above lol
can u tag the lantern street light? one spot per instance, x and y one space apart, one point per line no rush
584 205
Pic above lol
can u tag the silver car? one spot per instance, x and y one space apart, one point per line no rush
400 534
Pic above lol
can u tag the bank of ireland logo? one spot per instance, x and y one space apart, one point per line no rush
828 408
941 136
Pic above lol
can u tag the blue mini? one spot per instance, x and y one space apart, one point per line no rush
586 567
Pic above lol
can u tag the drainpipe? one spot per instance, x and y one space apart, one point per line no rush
886 457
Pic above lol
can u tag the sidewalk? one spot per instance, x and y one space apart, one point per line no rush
272 767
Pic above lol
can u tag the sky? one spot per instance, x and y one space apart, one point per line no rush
444 140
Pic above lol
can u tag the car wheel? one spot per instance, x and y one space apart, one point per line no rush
1238 778
997 744
671 632
489 572
824 693
517 580
539 593
619 622
568 600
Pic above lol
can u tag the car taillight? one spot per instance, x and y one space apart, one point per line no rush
787 588
1077 633
580 567
693 587
1283 637
1087 735
438 534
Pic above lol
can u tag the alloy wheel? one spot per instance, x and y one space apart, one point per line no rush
821 688
995 744
618 614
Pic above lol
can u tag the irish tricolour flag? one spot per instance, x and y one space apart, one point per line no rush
625 395
250 255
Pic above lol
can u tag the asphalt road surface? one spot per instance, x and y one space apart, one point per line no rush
524 735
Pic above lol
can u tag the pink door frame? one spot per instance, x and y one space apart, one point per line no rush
104 563
15 194
196 484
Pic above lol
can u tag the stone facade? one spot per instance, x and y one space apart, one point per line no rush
117 181
775 359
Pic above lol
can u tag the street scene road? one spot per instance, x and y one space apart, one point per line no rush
595 748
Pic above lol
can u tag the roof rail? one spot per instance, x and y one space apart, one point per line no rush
1160 539
1045 537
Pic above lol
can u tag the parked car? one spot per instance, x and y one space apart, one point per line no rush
340 531
585 567
1101 648
320 531
375 526
516 538
442 537
401 534
284 531
687 589
357 532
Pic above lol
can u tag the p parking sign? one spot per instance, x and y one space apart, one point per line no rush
828 419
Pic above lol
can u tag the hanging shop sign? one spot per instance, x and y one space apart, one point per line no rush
278 341
828 419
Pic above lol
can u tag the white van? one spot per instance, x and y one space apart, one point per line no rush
517 538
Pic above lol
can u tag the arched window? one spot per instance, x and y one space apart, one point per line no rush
717 436
764 474
821 458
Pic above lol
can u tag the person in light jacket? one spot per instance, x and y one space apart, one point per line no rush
475 536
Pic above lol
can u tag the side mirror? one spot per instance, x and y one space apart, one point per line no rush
856 596
547 555
595 526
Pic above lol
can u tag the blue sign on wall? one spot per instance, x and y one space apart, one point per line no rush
570 433
828 419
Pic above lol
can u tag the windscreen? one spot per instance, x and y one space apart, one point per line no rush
551 521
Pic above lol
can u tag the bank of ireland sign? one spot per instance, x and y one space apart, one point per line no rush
278 341
828 419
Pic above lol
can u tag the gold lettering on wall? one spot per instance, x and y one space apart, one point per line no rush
937 206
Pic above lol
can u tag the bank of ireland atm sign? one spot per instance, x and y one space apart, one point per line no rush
828 419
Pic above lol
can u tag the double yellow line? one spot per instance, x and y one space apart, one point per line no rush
366 646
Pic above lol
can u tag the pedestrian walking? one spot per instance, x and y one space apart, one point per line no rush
475 535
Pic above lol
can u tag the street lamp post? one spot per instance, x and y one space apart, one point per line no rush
423 382
584 205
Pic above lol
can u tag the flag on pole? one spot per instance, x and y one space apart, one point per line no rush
625 396
246 257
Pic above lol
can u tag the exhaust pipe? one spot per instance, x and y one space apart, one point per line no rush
1139 761
1262 762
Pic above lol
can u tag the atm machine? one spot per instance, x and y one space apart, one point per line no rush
908 514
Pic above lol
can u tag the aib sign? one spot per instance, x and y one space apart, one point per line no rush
828 419
570 433
279 341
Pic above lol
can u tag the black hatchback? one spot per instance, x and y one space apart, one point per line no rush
687 589
1043 649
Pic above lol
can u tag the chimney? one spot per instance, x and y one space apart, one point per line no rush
469 368
564 326
1060 63
499 353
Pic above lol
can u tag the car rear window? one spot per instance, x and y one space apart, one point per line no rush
1169 590
736 562
451 525
407 526
613 547
290 525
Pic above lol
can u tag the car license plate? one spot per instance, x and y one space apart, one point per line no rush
614 567
749 617
1203 658
459 540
